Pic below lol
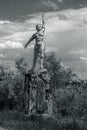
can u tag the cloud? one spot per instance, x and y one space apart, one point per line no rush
83 58
60 1
50 4
78 52
51 49
10 44
4 22
1 55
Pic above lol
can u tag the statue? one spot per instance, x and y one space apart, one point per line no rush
37 93
39 48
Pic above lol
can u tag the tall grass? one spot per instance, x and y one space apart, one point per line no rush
19 121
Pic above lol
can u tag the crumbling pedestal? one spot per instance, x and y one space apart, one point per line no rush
37 93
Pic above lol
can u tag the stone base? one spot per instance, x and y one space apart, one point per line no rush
36 91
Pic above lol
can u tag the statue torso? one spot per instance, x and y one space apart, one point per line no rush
39 36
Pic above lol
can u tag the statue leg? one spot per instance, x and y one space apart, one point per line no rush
41 56
41 63
35 57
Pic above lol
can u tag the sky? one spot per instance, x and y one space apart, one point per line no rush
66 30
13 8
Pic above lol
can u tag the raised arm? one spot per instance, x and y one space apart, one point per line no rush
31 39
43 22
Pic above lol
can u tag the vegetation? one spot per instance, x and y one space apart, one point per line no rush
69 99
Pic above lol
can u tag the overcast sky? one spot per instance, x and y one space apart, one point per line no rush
66 28
14 8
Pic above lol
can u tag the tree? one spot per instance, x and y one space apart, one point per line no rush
21 65
60 81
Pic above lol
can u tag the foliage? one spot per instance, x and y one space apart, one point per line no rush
21 65
11 86
69 92
69 96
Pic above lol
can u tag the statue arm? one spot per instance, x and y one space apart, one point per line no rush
31 39
43 22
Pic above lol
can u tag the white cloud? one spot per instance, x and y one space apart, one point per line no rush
78 52
1 55
60 1
51 49
5 22
55 25
50 4
11 44
31 46
83 58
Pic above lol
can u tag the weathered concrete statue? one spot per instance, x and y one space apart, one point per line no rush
37 92
39 48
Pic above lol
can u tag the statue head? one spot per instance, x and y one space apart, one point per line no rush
38 27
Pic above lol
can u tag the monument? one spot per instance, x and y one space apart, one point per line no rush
39 48
37 94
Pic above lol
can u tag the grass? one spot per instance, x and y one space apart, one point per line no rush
19 121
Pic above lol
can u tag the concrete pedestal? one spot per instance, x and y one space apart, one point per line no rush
37 94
